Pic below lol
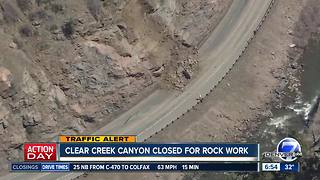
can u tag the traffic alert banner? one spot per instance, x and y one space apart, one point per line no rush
97 139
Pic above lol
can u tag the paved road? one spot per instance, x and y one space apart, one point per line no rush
217 56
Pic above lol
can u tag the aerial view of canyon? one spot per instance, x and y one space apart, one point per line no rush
163 71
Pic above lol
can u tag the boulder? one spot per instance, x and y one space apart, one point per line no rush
4 113
76 110
31 118
58 96
292 45
13 45
30 86
85 113
5 81
158 71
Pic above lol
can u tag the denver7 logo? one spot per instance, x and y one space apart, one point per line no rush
290 149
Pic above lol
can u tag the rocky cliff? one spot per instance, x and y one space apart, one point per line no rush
69 66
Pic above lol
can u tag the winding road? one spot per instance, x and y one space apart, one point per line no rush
217 56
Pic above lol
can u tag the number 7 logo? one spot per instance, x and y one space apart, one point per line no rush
294 145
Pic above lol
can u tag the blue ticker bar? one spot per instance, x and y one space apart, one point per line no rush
144 167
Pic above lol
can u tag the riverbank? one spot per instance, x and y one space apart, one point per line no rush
296 113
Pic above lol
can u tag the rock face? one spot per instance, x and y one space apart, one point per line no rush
188 20
68 71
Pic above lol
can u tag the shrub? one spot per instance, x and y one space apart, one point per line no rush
24 5
26 31
42 46
38 15
42 2
56 8
53 28
68 29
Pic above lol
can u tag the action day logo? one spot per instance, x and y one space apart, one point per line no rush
288 150
40 152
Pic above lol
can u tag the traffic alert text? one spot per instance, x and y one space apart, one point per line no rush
97 139
109 150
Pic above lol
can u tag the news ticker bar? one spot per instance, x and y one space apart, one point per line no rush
108 167
137 152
